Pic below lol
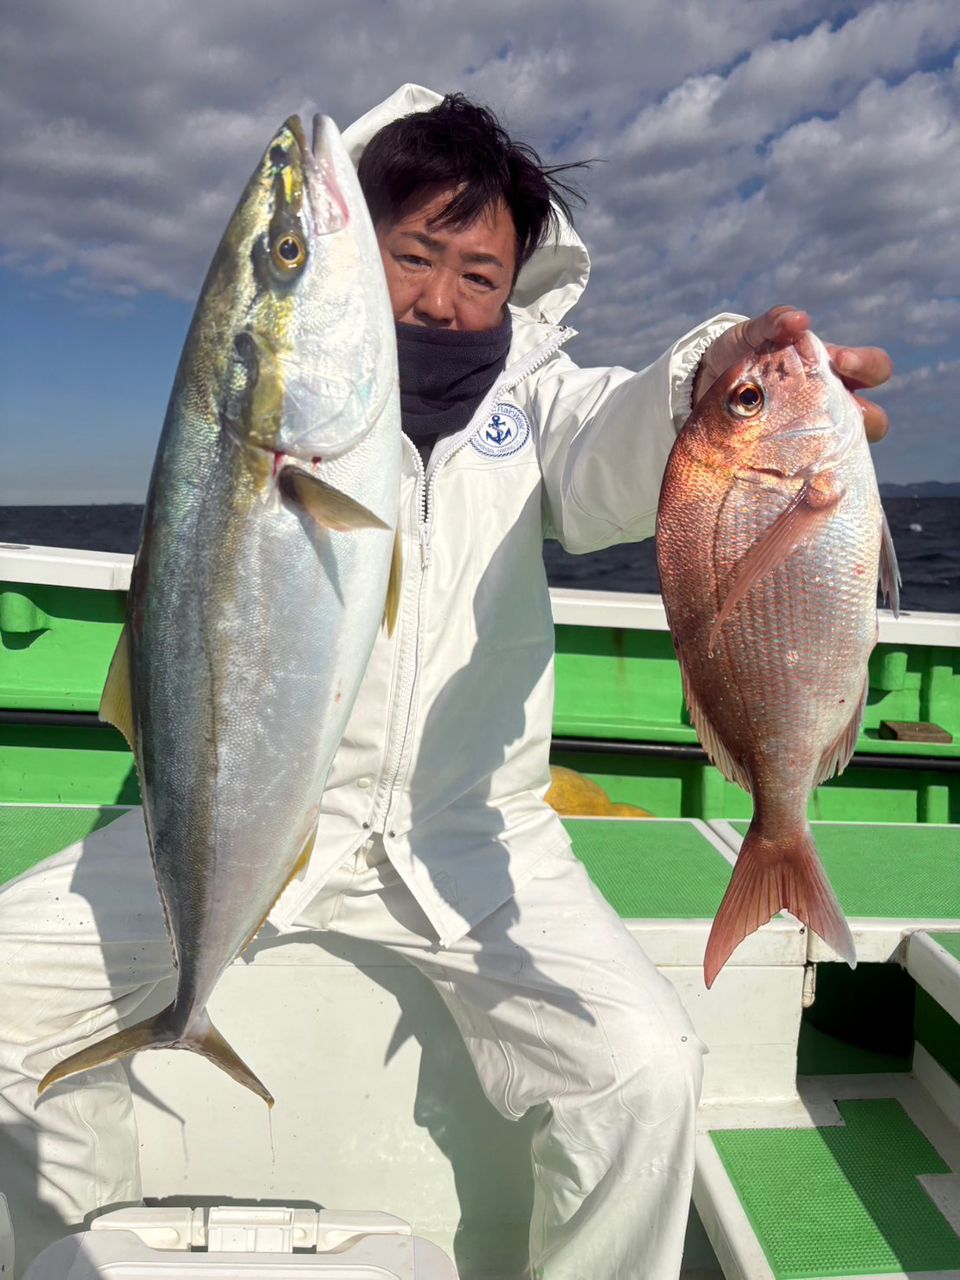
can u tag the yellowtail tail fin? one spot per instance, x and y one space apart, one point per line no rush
157 1033
770 876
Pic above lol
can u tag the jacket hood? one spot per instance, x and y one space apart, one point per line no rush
555 276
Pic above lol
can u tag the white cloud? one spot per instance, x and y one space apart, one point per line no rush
136 114
924 443
755 153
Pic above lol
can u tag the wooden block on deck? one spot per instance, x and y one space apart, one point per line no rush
907 731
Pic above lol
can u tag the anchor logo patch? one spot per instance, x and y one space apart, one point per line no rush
504 433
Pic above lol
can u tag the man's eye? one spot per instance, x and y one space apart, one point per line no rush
481 280
412 260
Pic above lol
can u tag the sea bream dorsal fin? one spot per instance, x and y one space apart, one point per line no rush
116 701
889 569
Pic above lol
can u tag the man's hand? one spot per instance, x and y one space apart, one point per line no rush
859 367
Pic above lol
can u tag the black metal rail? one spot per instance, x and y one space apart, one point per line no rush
685 751
65 719
591 746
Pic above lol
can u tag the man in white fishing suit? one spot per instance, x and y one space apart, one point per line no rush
434 838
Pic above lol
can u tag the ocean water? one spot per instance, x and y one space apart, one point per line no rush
926 533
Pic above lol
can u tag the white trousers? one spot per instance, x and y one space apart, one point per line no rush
557 1005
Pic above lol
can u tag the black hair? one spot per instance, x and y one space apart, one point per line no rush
458 144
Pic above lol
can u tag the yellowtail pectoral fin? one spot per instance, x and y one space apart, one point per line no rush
329 507
116 701
392 608
156 1033
804 517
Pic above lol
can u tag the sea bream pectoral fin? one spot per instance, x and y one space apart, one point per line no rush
804 517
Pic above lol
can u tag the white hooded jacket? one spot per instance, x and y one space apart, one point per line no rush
446 751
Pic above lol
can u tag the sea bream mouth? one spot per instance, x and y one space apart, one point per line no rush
839 417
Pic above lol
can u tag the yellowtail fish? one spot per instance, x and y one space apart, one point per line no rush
263 571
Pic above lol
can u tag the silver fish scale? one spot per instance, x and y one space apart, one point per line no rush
248 669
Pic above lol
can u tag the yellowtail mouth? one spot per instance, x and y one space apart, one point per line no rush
328 204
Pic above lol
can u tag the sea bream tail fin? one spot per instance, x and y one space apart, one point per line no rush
770 876
158 1033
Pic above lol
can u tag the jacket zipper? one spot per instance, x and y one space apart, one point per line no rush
537 357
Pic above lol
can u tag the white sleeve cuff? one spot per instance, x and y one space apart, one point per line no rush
685 360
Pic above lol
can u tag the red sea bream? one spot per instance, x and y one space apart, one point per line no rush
770 541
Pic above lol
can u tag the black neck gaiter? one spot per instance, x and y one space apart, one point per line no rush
444 374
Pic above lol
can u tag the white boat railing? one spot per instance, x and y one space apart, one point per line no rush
110 571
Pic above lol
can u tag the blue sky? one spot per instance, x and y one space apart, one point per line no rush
753 154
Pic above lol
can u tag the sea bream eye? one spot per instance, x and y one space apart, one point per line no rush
746 400
288 251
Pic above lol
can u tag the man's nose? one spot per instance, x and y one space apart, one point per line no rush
435 301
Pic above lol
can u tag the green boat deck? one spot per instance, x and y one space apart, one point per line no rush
840 1199
861 1177
665 869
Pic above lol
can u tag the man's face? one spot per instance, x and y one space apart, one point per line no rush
445 278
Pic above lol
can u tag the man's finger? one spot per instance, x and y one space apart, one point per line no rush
782 325
875 420
861 366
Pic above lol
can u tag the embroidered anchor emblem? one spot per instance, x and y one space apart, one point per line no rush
504 433
496 432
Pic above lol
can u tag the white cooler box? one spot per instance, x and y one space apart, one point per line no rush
243 1243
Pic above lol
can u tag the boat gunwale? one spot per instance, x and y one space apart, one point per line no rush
576 607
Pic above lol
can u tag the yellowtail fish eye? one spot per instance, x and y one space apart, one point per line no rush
288 251
746 400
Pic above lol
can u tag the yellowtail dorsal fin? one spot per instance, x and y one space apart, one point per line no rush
116 701
392 608
329 507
